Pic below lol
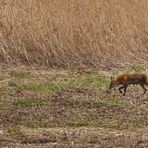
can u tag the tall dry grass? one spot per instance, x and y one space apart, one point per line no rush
66 33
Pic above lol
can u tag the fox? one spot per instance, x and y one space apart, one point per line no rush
126 79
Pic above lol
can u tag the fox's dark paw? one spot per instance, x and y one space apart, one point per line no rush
107 91
123 94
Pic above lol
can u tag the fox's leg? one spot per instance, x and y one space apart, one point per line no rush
123 87
120 89
144 89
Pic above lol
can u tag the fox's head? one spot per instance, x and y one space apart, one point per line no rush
113 83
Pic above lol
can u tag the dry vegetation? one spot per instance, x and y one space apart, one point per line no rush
74 33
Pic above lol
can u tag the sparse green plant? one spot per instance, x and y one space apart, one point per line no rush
12 84
30 86
113 101
94 140
138 68
5 104
22 75
14 132
33 124
30 102
36 86
88 81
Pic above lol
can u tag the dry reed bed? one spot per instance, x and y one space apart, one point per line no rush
67 33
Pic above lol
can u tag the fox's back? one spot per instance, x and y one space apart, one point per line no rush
133 78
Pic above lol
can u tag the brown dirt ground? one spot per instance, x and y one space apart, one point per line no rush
40 107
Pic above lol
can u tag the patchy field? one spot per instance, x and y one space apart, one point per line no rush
41 107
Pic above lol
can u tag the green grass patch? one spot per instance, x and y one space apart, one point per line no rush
2 77
30 102
94 140
83 81
37 86
4 104
14 132
55 86
88 81
111 101
138 68
33 125
21 75
114 101
31 86
146 107
79 121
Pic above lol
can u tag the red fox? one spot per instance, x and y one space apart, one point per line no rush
124 80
